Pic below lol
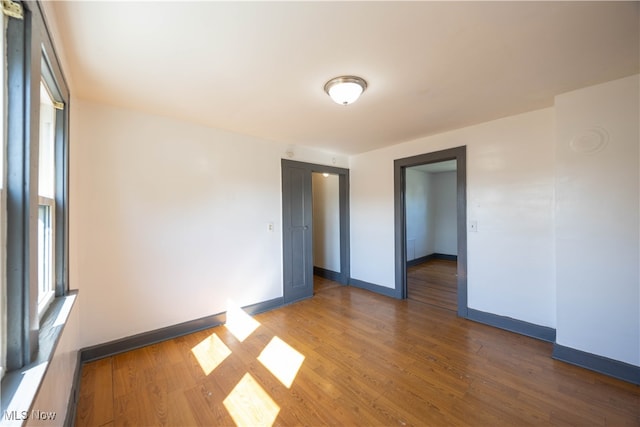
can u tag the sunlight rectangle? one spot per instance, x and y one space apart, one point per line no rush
239 323
250 405
210 353
282 360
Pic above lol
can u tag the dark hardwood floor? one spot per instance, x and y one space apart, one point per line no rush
434 283
351 357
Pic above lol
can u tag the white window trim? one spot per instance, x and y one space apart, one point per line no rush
45 302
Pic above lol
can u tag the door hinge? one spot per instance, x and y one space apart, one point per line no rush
12 9
58 105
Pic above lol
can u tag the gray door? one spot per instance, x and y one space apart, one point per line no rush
297 233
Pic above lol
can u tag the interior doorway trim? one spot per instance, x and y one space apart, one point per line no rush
459 154
343 196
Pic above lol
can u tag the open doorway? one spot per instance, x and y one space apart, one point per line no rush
403 249
298 226
326 230
431 234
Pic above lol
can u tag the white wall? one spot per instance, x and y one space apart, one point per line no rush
169 220
431 211
326 221
597 220
510 187
419 207
445 238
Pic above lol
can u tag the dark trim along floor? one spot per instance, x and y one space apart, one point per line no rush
613 368
532 330
327 274
390 292
122 345
420 260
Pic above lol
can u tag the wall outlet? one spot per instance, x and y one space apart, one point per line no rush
270 226
473 226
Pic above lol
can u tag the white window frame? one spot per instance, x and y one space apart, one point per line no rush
46 282
46 198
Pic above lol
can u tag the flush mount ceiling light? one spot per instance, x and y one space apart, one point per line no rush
345 89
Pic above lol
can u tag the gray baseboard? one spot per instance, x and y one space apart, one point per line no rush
263 306
420 260
144 339
446 257
327 274
429 257
100 351
613 368
389 292
532 330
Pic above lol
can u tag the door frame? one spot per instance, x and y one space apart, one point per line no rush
459 154
343 196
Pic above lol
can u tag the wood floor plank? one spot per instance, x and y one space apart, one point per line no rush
176 413
205 405
95 401
367 360
434 283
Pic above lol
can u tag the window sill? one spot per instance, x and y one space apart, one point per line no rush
20 387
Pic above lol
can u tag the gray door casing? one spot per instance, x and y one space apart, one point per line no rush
400 165
297 227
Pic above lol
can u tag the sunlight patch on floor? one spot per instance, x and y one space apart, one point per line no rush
282 360
250 405
210 353
239 323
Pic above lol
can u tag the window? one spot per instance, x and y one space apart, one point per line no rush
35 189
46 201
34 196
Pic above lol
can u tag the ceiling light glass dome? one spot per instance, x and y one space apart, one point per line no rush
345 90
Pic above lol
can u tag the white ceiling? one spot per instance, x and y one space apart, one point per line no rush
259 68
